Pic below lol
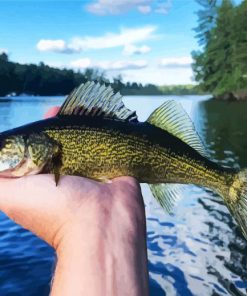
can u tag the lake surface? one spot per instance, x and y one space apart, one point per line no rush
198 250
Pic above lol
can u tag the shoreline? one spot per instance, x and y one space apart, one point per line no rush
232 96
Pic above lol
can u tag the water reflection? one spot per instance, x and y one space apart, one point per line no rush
225 130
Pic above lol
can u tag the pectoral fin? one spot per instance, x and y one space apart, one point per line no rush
55 168
56 176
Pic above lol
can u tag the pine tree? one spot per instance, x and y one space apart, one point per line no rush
240 48
206 22
220 50
214 65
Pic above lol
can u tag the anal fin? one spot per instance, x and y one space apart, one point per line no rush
167 195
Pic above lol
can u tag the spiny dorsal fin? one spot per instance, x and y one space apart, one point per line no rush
93 99
171 116
166 194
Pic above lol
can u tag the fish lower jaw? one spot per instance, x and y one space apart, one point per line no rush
25 168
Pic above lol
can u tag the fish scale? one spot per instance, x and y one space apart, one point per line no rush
96 152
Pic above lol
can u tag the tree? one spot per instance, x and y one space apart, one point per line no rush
220 66
206 20
4 57
240 48
220 51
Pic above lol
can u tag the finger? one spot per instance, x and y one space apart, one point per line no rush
52 112
25 189
41 189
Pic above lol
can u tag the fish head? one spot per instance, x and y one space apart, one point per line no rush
12 153
22 155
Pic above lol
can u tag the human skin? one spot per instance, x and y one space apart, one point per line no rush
97 229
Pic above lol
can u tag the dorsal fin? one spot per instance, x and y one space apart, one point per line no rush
93 99
171 116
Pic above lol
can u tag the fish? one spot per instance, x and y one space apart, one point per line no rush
94 135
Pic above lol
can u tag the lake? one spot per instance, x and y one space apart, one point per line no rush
198 250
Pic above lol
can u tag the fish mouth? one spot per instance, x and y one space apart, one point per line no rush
9 173
24 168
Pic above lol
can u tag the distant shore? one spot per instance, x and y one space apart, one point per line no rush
43 80
233 96
123 92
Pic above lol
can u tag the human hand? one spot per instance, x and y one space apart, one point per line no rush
52 212
82 216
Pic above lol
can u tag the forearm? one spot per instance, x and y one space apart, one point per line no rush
108 258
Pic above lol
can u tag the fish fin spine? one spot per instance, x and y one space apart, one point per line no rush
171 116
96 100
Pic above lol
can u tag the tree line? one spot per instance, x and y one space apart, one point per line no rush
220 67
43 80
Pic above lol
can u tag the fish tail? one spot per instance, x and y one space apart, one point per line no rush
236 199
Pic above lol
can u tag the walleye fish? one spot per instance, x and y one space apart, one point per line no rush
94 135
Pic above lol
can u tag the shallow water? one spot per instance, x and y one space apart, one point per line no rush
198 250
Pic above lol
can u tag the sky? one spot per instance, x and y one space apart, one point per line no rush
145 41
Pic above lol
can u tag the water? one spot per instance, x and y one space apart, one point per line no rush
197 251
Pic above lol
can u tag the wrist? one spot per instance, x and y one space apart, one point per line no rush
121 214
105 249
102 263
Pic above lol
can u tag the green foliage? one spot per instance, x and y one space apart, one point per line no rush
32 79
206 20
221 66
44 80
240 56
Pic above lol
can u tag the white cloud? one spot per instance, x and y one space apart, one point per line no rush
110 40
144 9
108 65
4 50
134 70
58 45
104 7
81 63
122 65
126 36
163 8
130 49
176 62
160 76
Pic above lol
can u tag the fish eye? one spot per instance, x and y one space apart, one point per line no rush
11 143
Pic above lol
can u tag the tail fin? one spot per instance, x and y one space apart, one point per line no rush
236 200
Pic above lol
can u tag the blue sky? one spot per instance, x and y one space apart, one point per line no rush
143 40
